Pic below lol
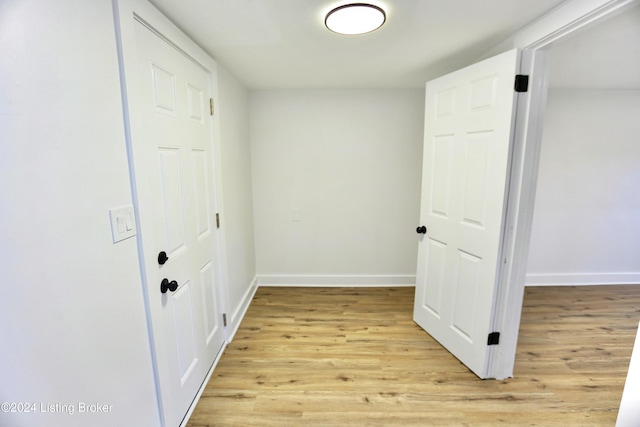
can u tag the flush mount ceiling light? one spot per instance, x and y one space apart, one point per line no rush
355 18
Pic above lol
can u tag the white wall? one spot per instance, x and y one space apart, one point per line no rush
72 315
586 227
336 185
237 218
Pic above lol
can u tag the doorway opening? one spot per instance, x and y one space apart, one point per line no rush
584 229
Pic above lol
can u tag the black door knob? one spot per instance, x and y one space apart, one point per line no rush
162 258
421 230
167 285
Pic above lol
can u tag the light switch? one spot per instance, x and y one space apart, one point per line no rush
123 223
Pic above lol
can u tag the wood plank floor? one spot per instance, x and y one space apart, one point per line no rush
354 357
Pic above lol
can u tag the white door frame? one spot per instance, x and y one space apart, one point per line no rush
126 12
534 41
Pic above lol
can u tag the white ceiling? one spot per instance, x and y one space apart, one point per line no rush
284 44
605 56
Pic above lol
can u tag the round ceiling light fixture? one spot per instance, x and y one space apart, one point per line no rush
355 18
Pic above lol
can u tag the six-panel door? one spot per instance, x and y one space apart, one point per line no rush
468 119
173 164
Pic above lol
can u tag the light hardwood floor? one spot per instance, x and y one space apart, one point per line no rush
354 357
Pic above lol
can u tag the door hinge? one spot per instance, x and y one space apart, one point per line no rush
217 220
494 338
224 319
522 83
211 106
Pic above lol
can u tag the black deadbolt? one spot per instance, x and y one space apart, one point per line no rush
421 230
162 258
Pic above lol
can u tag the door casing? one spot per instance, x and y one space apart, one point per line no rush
535 42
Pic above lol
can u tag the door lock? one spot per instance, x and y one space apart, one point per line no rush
167 285
421 230
162 258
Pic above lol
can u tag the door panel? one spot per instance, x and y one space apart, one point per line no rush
476 148
164 89
208 300
172 203
465 294
200 183
436 265
468 118
184 320
195 102
441 176
173 162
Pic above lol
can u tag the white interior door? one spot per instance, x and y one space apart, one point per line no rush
468 121
174 175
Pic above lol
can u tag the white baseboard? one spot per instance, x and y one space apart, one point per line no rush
241 310
582 279
337 280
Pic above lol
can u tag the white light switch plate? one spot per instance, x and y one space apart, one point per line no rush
123 223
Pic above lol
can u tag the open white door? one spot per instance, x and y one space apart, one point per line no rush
469 117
